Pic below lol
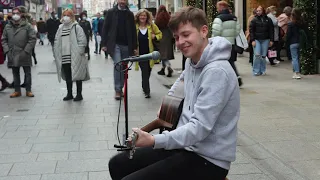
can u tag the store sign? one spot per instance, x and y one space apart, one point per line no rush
5 2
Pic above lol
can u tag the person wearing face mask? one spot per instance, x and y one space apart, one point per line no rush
52 26
272 12
69 52
18 41
87 30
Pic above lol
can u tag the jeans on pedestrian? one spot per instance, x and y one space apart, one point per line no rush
294 50
96 43
42 36
260 53
165 63
160 164
17 81
145 75
120 52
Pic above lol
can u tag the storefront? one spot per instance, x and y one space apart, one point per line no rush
172 5
7 5
244 9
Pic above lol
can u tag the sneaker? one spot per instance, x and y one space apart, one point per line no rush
15 94
263 74
29 94
296 76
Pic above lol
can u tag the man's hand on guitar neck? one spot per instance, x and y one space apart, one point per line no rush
144 139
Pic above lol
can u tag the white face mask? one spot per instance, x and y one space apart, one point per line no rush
84 18
16 17
66 19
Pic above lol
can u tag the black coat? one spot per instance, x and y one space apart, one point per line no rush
41 25
293 34
86 26
52 26
261 28
109 32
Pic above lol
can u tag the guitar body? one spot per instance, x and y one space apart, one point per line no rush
170 111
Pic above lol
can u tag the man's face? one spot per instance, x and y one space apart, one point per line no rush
122 3
190 40
53 15
98 15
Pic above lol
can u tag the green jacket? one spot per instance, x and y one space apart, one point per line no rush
18 41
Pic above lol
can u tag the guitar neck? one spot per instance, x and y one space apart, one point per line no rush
156 124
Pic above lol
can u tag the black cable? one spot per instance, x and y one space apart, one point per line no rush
118 121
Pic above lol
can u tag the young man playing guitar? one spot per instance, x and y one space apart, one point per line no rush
203 145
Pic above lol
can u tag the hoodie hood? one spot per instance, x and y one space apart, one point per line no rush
218 49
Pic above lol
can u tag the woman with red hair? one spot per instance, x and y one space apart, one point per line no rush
166 43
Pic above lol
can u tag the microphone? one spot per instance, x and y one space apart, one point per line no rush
145 57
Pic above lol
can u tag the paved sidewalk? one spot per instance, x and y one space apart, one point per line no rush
44 138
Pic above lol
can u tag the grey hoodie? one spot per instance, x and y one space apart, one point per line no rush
211 109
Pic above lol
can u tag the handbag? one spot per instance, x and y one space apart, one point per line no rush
272 53
156 43
241 43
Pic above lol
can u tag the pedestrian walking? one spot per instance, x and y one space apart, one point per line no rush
52 27
147 32
42 29
87 31
119 39
167 41
227 25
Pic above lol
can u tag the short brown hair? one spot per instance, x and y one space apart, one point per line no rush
195 16
223 4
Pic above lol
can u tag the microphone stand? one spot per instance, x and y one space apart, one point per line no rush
125 94
126 113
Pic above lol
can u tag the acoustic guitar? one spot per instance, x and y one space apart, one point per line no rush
169 115
170 111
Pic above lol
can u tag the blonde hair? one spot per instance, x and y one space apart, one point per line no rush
148 13
73 19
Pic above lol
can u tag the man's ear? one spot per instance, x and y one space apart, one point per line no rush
204 31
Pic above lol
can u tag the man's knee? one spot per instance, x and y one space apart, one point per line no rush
115 166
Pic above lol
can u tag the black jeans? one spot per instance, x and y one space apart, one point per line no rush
67 72
17 81
232 59
145 74
160 164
